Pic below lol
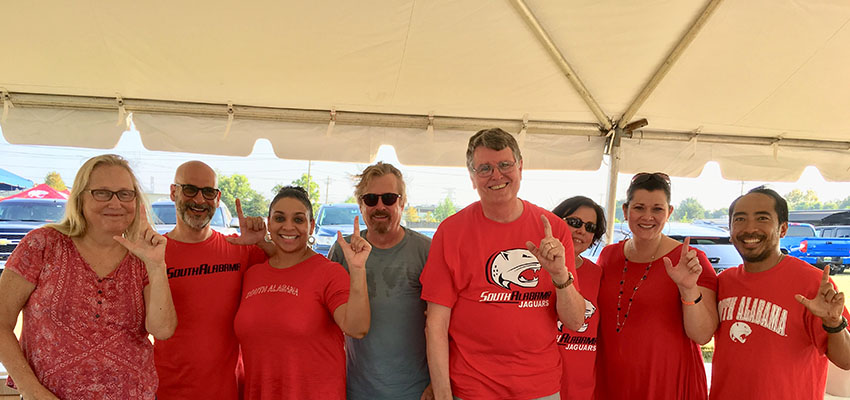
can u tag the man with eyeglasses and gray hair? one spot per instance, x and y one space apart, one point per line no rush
205 271
390 362
499 276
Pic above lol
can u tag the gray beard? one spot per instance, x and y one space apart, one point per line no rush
198 223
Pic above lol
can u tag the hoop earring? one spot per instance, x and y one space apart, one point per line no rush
311 240
268 237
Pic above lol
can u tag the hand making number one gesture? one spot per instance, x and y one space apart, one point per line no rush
550 253
148 245
828 304
252 230
358 250
687 271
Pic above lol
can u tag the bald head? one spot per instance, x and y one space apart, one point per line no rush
196 173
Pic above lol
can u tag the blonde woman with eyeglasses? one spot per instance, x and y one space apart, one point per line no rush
91 288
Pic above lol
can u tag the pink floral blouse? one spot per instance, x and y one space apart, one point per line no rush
84 336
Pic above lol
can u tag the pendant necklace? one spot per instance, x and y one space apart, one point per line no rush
620 325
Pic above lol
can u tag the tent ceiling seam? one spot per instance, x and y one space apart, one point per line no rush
409 121
244 112
668 62
546 41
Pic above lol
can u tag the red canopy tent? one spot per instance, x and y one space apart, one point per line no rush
42 191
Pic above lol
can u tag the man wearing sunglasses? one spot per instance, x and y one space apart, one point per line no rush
390 362
205 275
498 277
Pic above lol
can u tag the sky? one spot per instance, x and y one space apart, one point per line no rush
425 185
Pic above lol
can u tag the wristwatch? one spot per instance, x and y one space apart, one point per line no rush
570 282
842 326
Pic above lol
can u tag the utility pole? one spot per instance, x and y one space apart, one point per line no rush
327 185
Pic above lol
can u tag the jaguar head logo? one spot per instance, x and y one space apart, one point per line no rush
516 266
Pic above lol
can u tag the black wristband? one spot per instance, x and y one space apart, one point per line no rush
842 326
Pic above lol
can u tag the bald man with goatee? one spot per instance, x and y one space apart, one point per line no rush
205 271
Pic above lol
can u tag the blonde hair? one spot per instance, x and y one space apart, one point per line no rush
73 223
376 171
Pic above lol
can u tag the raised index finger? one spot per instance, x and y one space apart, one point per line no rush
824 279
356 226
239 209
547 227
686 247
143 220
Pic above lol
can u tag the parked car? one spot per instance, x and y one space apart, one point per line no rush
21 215
835 231
332 218
714 242
165 217
803 242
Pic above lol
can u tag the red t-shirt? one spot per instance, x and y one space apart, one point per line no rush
83 336
578 349
291 346
769 346
502 301
199 360
651 357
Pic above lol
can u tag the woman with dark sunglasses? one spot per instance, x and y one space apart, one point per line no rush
657 303
586 221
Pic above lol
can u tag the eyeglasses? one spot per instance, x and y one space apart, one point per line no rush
106 195
192 191
646 176
485 170
577 223
371 199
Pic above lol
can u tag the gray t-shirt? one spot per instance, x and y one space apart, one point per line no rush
390 362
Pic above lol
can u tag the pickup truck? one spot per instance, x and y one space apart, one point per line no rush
19 216
801 241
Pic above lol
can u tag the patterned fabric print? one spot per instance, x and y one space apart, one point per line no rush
84 336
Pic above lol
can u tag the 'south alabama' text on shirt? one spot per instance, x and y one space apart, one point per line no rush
755 311
202 269
276 288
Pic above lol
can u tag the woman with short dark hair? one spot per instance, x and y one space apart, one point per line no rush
586 221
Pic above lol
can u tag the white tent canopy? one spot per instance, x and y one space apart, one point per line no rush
760 86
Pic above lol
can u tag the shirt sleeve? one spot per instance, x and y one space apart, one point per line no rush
708 277
256 255
337 287
28 258
438 285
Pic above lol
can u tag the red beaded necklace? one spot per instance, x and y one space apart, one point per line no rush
620 325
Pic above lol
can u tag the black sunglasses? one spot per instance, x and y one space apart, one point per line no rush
645 176
192 191
577 223
371 199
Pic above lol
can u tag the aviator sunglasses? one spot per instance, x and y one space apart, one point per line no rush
577 223
192 191
371 199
